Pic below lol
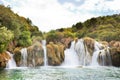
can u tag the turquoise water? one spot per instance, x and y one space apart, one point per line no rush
60 73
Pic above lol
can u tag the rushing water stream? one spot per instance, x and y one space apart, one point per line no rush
59 73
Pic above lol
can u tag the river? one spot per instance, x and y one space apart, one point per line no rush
61 73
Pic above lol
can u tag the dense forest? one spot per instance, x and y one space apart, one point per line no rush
15 30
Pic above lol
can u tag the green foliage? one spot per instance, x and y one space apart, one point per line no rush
54 36
105 28
15 22
80 34
68 34
5 37
101 28
37 38
22 28
78 25
25 39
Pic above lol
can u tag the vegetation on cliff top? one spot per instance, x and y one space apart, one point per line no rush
105 28
17 29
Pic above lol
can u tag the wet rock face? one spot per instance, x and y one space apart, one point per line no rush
67 42
55 53
35 56
17 56
115 52
89 43
115 55
4 57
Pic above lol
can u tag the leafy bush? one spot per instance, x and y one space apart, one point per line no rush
25 39
68 34
54 36
5 37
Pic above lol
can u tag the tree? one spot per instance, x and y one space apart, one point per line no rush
5 37
25 39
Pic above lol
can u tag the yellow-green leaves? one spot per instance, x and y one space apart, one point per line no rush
5 37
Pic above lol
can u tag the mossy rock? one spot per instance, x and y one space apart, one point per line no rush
89 43
17 56
55 53
115 55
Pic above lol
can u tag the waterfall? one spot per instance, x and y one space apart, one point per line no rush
24 57
95 58
101 56
105 58
97 46
78 54
11 63
109 57
97 51
83 54
71 57
45 53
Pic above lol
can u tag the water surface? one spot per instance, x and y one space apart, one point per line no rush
61 73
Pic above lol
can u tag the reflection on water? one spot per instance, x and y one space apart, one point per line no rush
58 73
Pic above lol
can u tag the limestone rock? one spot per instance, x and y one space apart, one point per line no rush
4 57
55 53
115 55
35 55
17 56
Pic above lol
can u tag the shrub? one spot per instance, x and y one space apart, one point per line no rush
25 39
5 37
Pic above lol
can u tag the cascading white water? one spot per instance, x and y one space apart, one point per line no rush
105 58
45 53
24 57
71 57
95 58
100 54
83 54
97 46
11 63
109 57
79 52
97 51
